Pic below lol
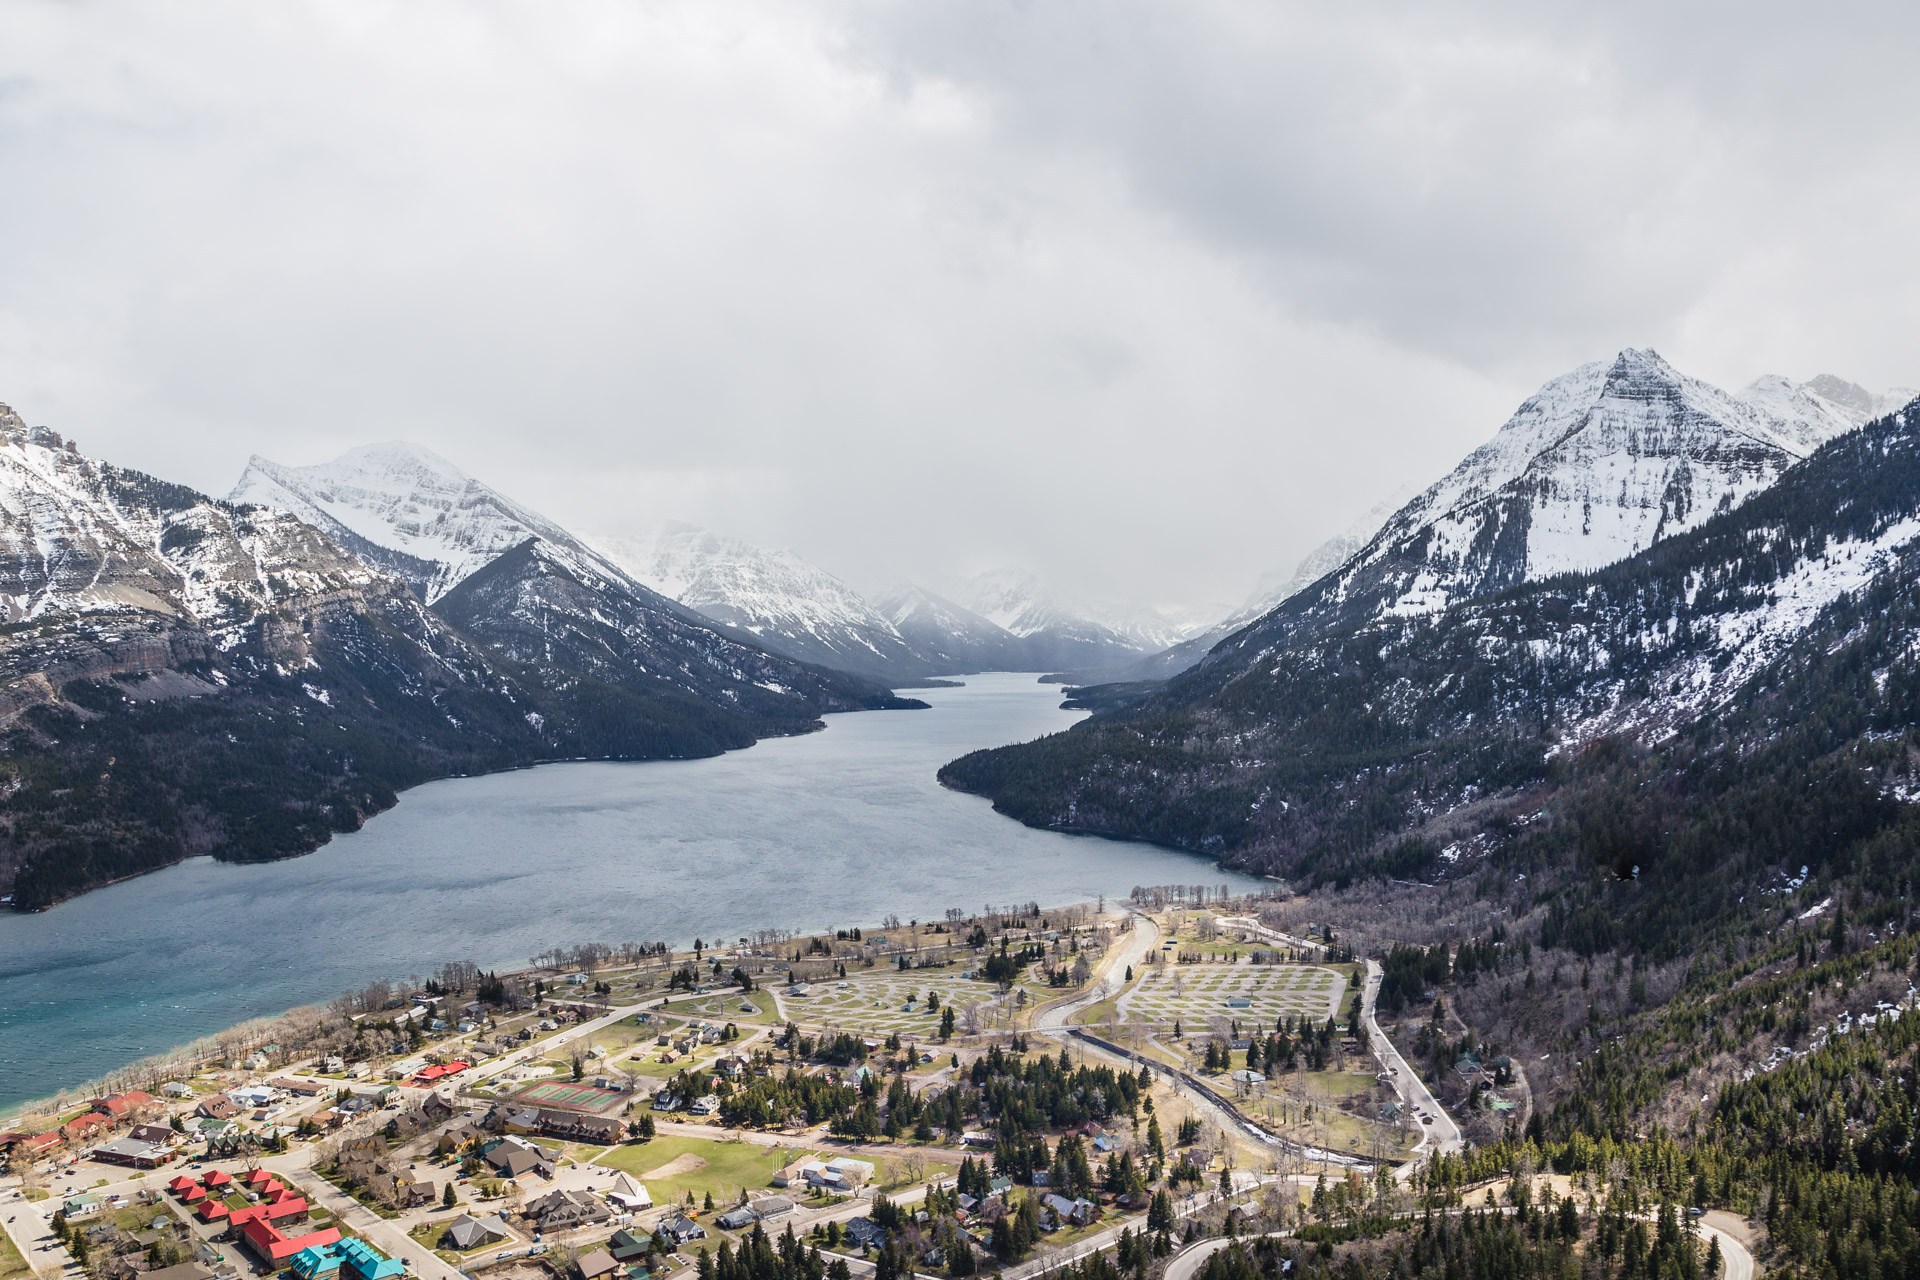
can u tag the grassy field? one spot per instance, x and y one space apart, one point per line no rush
12 1264
699 1165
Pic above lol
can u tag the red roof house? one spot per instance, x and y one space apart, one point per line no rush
217 1178
194 1193
429 1075
212 1210
180 1184
80 1127
275 1246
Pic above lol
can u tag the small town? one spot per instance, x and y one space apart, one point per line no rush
998 1093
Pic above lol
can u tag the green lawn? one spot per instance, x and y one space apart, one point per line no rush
702 1165
11 1262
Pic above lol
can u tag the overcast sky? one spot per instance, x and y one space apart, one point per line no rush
1149 298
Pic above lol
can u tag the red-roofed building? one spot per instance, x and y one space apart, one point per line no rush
275 1246
194 1194
180 1184
122 1105
431 1075
41 1143
213 1210
280 1211
258 1178
83 1127
217 1178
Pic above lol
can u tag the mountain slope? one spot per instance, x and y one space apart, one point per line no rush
777 598
955 639
1271 591
406 507
1304 757
1053 635
406 510
180 675
1596 466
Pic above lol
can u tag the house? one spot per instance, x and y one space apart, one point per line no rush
358 1258
598 1265
630 1246
705 1105
680 1229
81 1128
321 1262
468 1232
738 1219
575 1127
1102 1142
299 1088
1244 1076
276 1248
134 1152
183 1271
437 1109
177 1089
80 1206
512 1162
999 1186
216 1106
253 1095
771 1207
558 1210
666 1100
854 1172
976 1138
865 1233
433 1075
158 1133
122 1105
629 1194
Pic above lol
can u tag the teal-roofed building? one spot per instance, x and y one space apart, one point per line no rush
318 1262
361 1259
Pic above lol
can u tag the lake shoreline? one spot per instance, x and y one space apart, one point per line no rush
826 830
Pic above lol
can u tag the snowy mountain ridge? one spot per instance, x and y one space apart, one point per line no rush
406 509
1599 464
777 596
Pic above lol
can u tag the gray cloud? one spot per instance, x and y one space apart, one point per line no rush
1150 298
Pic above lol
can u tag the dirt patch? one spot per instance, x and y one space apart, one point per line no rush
686 1162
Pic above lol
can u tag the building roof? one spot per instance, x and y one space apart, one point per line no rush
597 1263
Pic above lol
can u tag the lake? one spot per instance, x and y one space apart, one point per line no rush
830 830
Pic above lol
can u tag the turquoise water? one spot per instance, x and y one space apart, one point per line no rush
834 829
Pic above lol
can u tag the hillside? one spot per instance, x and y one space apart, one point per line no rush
1766 641
180 676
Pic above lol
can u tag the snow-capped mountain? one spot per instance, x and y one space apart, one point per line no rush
1596 466
403 506
1056 635
959 639
783 601
410 512
1771 640
188 675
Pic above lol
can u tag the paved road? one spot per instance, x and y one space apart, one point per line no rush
1443 1135
26 1224
1142 939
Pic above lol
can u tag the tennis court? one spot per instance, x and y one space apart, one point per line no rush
569 1096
